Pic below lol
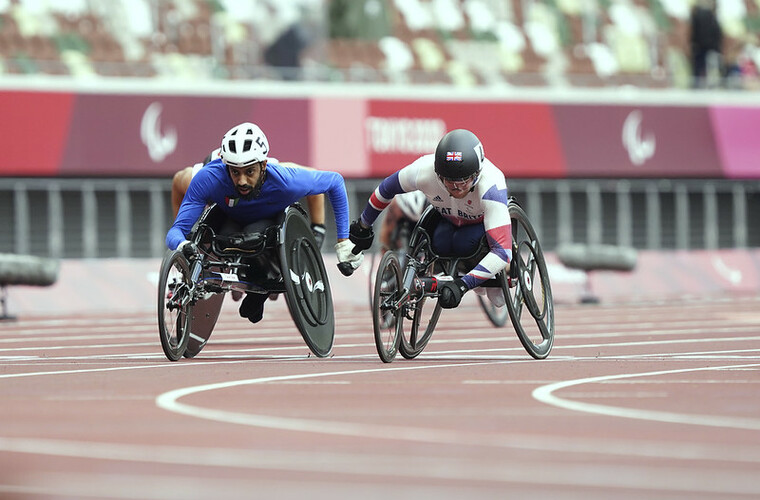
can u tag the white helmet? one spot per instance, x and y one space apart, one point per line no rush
412 204
244 145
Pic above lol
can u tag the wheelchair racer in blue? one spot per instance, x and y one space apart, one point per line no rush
252 192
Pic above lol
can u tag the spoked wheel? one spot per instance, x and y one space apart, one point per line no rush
497 315
387 322
424 313
175 308
530 302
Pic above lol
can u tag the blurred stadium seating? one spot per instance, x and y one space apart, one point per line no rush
461 42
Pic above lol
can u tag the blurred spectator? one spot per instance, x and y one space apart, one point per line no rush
303 27
368 19
706 39
742 72
284 54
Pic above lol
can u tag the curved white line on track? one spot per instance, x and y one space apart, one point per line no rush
545 394
169 401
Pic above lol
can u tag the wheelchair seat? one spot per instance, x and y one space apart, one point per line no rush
422 238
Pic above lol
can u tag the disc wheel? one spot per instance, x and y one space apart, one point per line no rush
529 301
175 308
497 315
386 320
308 289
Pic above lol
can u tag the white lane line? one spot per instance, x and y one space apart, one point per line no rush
685 451
330 464
545 394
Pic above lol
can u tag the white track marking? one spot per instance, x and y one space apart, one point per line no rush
545 394
523 471
170 402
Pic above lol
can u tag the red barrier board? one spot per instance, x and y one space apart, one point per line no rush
643 141
157 135
520 138
33 132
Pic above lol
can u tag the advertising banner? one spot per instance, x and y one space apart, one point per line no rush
116 135
737 132
154 135
136 135
34 130
643 141
520 138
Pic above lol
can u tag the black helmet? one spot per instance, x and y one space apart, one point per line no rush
458 155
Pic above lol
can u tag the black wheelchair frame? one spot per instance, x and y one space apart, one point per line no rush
400 293
284 258
401 235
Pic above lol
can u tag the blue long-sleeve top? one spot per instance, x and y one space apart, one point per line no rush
284 185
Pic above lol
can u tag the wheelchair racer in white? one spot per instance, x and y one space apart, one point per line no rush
470 193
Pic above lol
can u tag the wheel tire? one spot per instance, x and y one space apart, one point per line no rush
308 296
174 310
532 290
413 344
387 323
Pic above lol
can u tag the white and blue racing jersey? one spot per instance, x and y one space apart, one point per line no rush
284 185
485 204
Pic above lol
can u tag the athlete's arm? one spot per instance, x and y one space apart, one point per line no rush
498 229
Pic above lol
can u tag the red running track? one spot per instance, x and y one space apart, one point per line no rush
635 401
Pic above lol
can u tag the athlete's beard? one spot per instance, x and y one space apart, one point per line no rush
256 190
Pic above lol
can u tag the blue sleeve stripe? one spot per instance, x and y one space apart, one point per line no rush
381 198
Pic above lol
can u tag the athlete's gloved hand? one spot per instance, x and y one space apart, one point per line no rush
348 261
319 234
188 249
450 293
361 236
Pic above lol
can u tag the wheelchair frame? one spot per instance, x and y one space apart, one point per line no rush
284 258
398 296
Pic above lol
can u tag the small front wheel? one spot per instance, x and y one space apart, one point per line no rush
174 304
386 317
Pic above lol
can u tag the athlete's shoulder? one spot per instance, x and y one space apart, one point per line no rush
491 174
424 162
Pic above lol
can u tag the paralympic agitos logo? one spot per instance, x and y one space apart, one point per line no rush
160 145
640 149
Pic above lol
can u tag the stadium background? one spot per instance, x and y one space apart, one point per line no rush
588 110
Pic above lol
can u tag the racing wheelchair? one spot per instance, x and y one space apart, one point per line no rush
400 236
405 308
283 258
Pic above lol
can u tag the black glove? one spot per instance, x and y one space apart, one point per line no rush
450 293
189 249
360 236
319 234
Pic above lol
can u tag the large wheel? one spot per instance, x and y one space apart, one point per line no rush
497 315
174 304
307 287
387 322
370 270
530 302
423 313
204 316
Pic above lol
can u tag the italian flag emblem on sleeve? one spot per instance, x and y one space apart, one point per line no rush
231 202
